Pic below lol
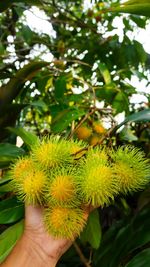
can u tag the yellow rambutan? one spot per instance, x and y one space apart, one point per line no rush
62 187
20 167
64 222
94 140
52 152
31 187
98 128
131 168
96 183
97 155
83 132
75 146
34 187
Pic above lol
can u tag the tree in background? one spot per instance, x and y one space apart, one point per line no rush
75 82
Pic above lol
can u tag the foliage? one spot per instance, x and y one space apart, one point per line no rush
76 75
134 7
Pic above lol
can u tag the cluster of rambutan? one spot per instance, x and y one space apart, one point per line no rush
91 134
60 176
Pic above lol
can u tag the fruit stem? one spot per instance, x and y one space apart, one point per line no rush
82 257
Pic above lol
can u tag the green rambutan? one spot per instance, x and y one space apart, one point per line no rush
57 176
130 168
64 222
96 183
62 187
52 152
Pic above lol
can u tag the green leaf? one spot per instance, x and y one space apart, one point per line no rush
40 104
140 116
107 92
9 238
11 210
9 153
144 199
127 239
136 2
27 33
139 21
140 51
64 118
60 87
140 260
5 188
29 139
4 180
92 231
138 235
104 253
142 9
127 135
120 102
30 2
105 72
7 3
122 238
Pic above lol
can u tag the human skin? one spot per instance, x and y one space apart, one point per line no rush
36 247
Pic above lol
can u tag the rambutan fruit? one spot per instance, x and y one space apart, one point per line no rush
76 148
31 184
62 187
20 167
94 140
52 152
98 128
97 155
131 169
33 187
83 132
96 183
64 222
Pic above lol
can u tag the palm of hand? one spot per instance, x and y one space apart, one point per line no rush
35 230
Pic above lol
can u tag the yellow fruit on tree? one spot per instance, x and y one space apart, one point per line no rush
98 128
83 132
94 140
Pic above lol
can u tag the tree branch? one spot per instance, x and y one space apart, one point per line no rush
82 121
82 257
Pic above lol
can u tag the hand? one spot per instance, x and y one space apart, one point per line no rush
35 232
36 248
